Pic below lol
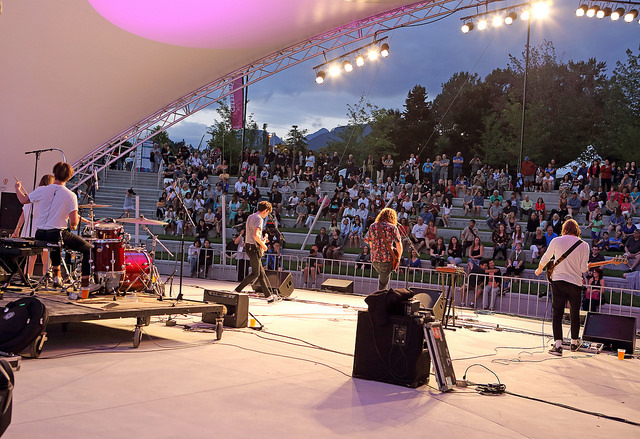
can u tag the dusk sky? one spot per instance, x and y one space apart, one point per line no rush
427 55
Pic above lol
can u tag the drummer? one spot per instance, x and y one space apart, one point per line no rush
58 209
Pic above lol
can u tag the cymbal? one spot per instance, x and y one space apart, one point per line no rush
141 221
92 206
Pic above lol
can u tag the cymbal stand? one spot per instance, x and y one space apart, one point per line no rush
158 285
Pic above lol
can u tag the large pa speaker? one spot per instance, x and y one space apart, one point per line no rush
6 395
432 300
281 282
237 305
615 332
10 211
392 353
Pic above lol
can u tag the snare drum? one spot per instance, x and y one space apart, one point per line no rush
108 232
137 270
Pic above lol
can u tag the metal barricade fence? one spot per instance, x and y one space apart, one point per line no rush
520 296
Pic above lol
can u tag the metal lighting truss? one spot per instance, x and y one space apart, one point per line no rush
269 65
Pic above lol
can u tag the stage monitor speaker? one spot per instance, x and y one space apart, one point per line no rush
237 304
432 300
281 282
391 353
615 332
10 210
6 395
339 285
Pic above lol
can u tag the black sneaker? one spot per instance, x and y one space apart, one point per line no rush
555 350
575 347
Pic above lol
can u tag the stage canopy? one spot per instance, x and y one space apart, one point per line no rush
75 73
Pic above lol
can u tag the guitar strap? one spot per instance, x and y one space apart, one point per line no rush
568 252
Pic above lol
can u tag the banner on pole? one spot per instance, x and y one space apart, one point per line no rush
236 104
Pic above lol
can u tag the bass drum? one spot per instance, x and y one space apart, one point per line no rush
137 275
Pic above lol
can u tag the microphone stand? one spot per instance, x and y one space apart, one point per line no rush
187 217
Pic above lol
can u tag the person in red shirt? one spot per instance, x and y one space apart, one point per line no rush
528 171
382 235
605 175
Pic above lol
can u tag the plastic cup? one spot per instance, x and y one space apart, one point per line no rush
252 323
621 353
84 293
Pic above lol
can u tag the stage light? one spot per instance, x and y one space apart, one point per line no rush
467 27
482 24
320 77
384 50
347 66
372 54
582 10
606 12
497 21
592 11
615 15
631 15
525 15
334 70
510 18
359 60
540 10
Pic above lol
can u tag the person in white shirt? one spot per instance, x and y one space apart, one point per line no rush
566 281
418 234
239 185
57 210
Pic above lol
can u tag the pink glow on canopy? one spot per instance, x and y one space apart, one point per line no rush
219 24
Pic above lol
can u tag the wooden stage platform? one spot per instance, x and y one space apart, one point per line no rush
140 306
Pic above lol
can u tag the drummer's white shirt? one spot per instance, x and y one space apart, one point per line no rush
55 203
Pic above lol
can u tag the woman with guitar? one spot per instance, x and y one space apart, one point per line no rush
385 242
571 256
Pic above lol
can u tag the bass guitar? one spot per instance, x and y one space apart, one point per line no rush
615 261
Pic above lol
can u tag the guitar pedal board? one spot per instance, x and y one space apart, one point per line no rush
588 347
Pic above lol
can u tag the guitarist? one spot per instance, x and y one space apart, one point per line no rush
254 248
566 280
386 245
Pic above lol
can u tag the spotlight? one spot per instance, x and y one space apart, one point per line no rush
510 18
384 50
582 10
497 21
615 15
525 15
334 70
467 27
372 54
606 12
540 9
320 77
347 66
359 60
482 24
592 11
631 15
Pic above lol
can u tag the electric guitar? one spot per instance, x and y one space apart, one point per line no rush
615 261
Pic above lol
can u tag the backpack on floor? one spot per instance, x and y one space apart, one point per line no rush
21 322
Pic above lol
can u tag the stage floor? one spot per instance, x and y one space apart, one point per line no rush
277 383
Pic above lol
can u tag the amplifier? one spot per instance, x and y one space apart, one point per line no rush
237 305
615 332
391 353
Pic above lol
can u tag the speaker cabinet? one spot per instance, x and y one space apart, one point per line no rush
237 305
10 211
281 282
339 285
432 300
615 332
393 353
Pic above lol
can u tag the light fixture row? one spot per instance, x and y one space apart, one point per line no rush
594 10
343 63
505 16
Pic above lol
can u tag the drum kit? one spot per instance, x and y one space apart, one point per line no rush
118 267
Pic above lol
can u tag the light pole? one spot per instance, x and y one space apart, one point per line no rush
524 94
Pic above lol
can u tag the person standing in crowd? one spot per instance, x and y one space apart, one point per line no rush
254 248
129 205
382 235
566 280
